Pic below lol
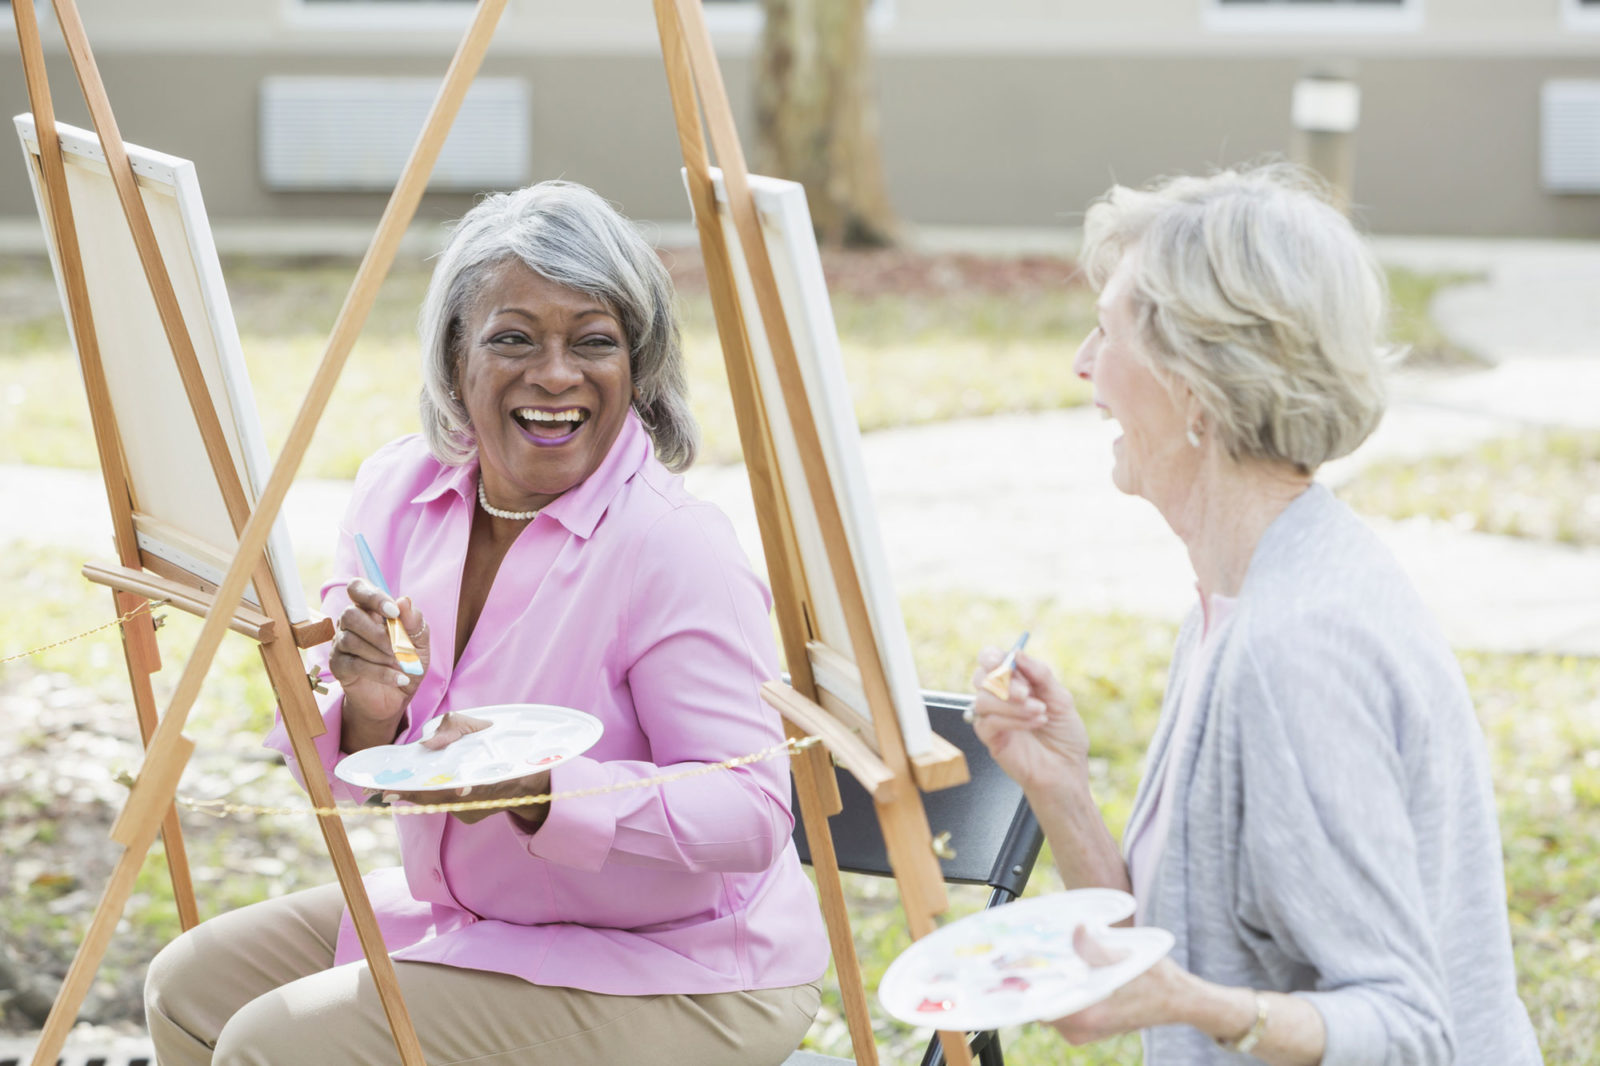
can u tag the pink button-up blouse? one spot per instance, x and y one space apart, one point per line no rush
629 599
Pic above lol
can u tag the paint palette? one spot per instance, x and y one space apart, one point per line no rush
522 738
1015 964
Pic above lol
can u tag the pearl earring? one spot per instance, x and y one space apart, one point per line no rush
1193 437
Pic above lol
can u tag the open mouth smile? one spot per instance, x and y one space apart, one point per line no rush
1107 416
549 427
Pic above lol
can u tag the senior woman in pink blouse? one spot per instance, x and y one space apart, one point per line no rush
547 553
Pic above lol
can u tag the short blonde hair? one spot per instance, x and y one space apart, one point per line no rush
1255 293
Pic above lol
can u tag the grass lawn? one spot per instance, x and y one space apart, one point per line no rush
1544 485
920 357
922 343
1541 720
70 729
1410 323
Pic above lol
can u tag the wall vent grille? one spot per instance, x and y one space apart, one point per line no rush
1570 136
356 133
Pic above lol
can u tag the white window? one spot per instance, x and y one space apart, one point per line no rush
745 16
357 133
1569 136
1582 14
1313 16
380 14
43 14
737 16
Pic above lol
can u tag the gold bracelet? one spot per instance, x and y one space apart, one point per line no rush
1253 1035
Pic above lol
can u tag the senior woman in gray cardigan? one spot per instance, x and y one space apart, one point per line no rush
1316 824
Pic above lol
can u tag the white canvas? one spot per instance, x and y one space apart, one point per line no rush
797 268
180 516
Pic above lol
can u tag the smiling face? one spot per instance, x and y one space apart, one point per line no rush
545 376
1153 457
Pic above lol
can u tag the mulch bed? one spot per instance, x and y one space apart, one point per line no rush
881 272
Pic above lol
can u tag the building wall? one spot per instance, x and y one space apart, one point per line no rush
623 25
1009 112
1446 146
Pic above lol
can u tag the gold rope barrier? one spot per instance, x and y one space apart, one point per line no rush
147 605
223 809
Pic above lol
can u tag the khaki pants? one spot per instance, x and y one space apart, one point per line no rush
254 987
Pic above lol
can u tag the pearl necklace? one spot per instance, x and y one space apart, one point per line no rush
514 516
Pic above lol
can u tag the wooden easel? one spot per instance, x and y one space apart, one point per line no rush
150 807
879 761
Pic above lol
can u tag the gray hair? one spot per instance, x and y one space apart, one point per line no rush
566 233
1255 293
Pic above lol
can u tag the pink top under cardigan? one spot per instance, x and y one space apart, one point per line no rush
1145 839
631 600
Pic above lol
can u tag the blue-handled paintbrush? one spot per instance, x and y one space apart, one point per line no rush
405 652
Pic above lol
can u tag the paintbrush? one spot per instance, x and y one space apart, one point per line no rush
998 680
405 652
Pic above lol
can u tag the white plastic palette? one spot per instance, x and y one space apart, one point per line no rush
523 738
1015 964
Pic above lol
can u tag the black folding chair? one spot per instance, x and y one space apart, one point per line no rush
993 832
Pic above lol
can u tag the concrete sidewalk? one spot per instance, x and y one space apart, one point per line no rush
1022 507
960 512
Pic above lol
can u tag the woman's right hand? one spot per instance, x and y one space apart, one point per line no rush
1035 734
376 690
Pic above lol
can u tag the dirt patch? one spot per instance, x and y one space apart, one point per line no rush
60 752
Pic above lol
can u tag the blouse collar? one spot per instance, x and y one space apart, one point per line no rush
581 507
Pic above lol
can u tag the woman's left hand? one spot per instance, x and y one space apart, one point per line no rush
1155 997
452 727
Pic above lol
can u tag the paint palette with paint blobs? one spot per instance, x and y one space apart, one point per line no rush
522 738
1015 964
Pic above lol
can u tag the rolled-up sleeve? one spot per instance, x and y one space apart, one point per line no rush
699 645
1327 857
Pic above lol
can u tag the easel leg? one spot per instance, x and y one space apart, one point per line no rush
807 768
956 1051
286 672
139 650
87 961
136 834
905 834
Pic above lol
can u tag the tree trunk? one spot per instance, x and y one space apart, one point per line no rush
815 118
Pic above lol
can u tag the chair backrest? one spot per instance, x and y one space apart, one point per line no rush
993 832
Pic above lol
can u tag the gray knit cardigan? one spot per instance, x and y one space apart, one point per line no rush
1335 834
